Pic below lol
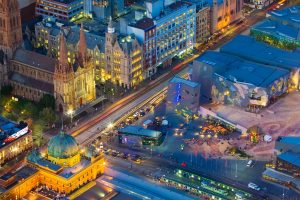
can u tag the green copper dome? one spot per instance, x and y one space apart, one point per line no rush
62 146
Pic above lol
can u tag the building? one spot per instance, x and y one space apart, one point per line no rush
247 48
203 21
228 79
27 9
124 58
175 30
224 13
74 82
66 10
145 32
10 30
183 94
287 164
15 138
63 168
137 135
280 29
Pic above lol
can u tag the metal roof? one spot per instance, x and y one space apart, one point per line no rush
140 131
250 49
293 158
237 69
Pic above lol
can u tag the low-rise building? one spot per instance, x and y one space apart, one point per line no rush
287 163
15 138
183 94
137 135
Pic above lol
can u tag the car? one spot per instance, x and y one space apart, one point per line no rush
239 196
250 163
253 186
142 113
148 109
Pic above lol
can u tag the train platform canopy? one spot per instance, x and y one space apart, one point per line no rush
290 157
250 49
140 131
236 69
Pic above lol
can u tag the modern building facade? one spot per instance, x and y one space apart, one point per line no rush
183 94
62 168
228 79
66 10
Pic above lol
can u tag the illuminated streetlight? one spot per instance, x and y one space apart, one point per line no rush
71 112
110 126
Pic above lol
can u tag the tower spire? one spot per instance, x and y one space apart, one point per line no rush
82 47
110 28
63 64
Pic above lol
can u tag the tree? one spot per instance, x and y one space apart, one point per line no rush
37 133
6 90
48 115
47 101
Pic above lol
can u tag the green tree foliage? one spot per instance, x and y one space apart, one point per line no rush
48 115
47 101
37 133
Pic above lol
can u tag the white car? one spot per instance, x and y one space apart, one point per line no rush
253 186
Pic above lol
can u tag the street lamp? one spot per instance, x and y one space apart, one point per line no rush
71 112
110 125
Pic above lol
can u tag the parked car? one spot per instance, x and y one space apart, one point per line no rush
250 163
253 186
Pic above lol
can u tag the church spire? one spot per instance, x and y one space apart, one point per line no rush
110 28
63 64
82 47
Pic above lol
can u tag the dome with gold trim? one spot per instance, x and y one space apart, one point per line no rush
62 146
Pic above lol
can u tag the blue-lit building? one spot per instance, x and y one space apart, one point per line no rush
66 10
248 48
228 79
183 94
281 28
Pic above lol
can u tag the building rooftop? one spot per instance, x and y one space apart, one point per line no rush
293 158
289 140
67 172
172 8
248 48
144 24
288 16
10 131
140 131
277 29
177 79
31 82
236 69
35 60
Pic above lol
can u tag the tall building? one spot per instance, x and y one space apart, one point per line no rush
74 82
66 10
